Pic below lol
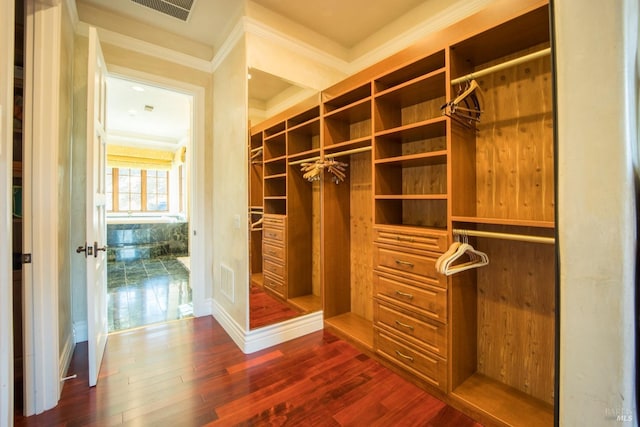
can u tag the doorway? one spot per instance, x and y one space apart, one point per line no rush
149 135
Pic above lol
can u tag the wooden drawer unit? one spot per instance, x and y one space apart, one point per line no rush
425 300
274 235
274 284
406 262
276 269
273 252
421 363
432 336
274 221
433 240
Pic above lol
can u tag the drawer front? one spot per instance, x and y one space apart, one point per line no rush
421 363
275 268
412 265
274 221
274 285
274 252
428 335
434 241
428 301
273 235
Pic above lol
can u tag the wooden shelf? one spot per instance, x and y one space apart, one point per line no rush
504 221
307 303
404 73
425 129
357 328
411 160
503 403
17 169
411 197
304 154
347 145
427 86
346 99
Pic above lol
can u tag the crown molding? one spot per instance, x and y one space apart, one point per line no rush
259 29
227 46
146 48
454 13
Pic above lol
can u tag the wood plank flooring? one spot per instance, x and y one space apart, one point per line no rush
265 309
190 373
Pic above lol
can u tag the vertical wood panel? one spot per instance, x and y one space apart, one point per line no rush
315 256
516 315
361 235
514 144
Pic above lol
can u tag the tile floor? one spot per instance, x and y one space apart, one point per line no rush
147 291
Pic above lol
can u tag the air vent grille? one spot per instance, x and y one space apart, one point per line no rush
176 8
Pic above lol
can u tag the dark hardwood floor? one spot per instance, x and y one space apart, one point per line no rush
190 373
265 309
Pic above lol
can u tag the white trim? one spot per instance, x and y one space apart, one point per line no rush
229 43
455 13
268 336
65 358
6 215
146 48
199 280
41 357
80 331
294 45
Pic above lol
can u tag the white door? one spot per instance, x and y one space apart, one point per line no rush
96 209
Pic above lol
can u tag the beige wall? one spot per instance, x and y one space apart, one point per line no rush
64 180
597 122
230 182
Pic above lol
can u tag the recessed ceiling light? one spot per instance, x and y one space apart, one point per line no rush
248 76
137 88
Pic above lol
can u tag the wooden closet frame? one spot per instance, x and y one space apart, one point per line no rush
498 374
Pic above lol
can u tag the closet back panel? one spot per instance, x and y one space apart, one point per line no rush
361 235
514 143
516 316
315 247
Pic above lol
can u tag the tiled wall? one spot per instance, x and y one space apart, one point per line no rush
138 241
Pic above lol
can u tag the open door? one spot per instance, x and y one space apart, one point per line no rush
95 248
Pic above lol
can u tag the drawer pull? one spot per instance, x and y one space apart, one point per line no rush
271 235
404 356
271 252
404 325
404 263
404 294
405 239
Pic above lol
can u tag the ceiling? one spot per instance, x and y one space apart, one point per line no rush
346 24
129 123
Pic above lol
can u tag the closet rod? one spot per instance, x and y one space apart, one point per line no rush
255 150
505 236
347 152
502 66
299 162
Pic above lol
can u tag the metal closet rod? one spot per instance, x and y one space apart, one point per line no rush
505 236
347 152
299 162
502 66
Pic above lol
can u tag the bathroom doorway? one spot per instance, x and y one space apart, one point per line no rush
149 139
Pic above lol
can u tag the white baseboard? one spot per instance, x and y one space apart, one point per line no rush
65 358
80 331
268 336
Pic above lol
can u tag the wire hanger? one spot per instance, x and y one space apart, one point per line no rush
469 113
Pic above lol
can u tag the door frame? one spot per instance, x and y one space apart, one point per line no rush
6 215
201 306
41 141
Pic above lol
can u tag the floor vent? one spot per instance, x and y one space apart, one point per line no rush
227 282
180 9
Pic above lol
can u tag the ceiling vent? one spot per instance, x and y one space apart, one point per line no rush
176 8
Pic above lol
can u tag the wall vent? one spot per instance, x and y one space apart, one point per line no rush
227 282
180 9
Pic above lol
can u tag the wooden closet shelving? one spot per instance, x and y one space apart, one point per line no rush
347 214
256 207
482 339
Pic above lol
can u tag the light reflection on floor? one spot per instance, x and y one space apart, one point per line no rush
147 291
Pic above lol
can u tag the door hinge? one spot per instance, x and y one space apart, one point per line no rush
26 258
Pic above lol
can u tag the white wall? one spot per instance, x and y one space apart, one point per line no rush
230 231
597 116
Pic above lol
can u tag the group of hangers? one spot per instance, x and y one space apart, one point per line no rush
465 108
449 262
312 170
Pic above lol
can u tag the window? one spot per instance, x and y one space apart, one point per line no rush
137 190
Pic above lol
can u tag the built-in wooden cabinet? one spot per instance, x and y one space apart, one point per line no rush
417 181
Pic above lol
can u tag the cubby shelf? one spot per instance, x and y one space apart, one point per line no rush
413 160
